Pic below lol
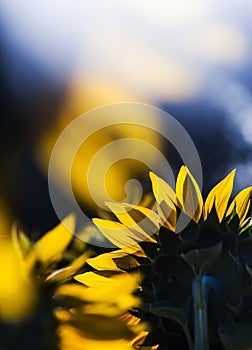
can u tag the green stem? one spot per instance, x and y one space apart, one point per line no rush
201 286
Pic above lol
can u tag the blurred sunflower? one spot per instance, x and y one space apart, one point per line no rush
41 307
196 289
91 191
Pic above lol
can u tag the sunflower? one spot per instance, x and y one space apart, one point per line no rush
42 307
196 289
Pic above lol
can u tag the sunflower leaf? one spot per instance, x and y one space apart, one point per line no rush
201 259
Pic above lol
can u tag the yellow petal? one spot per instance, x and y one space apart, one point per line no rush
219 196
92 279
71 339
241 203
189 194
136 218
136 250
98 326
116 289
21 242
130 319
72 289
70 270
105 261
52 245
165 198
103 308
118 234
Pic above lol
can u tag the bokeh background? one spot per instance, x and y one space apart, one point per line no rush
62 58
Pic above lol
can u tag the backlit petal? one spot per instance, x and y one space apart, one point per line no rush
219 196
70 270
165 197
105 261
52 245
136 217
241 203
118 234
189 194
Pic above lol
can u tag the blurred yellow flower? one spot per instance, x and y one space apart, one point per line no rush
17 293
38 292
109 176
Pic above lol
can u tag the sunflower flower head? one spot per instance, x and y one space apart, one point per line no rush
196 289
